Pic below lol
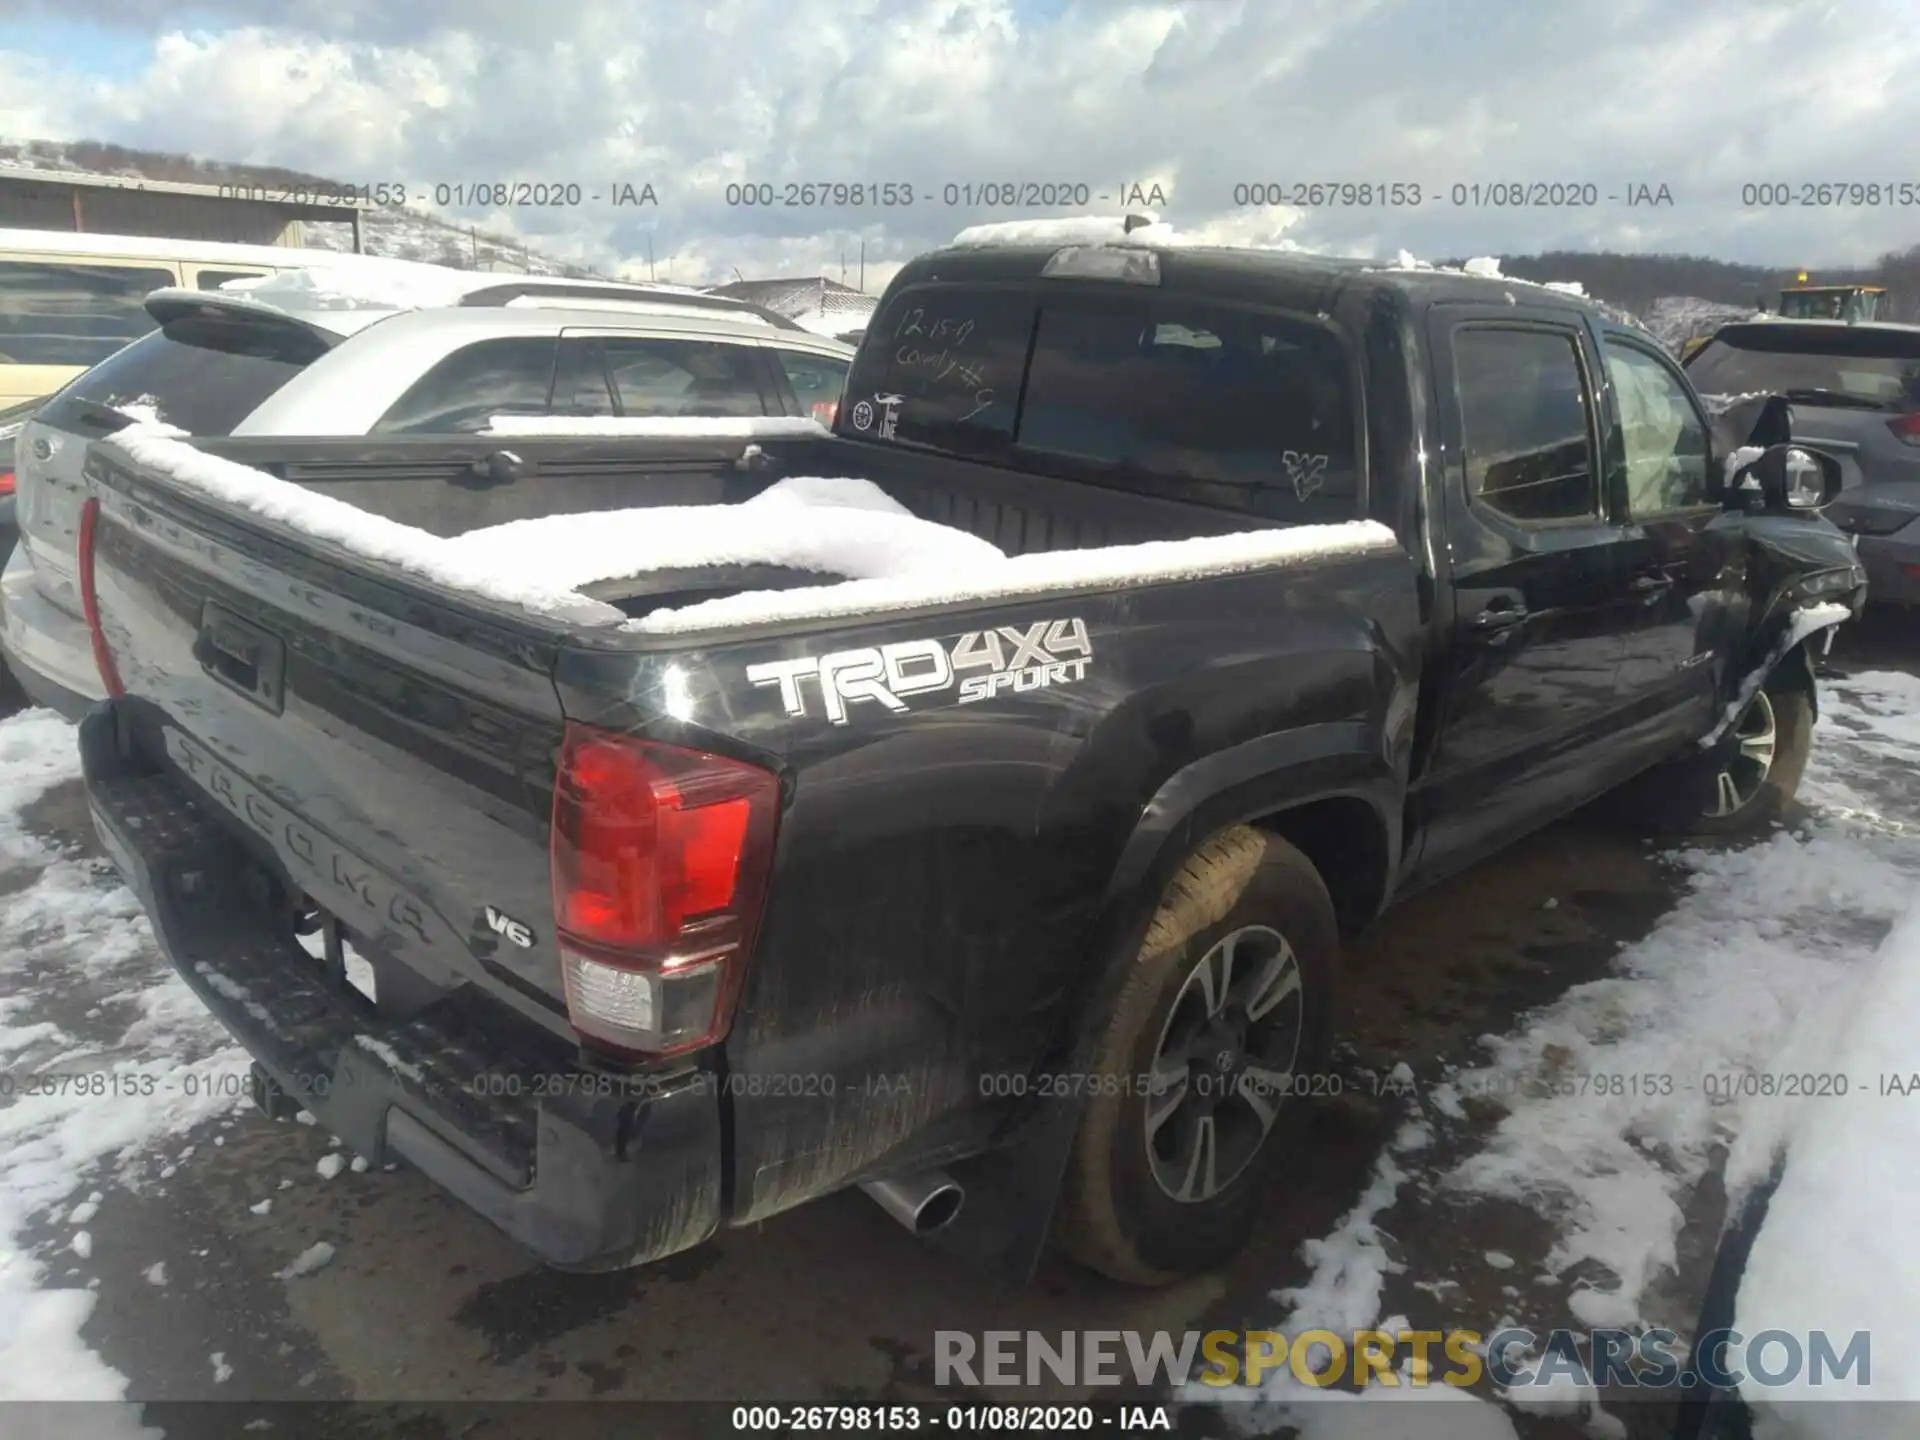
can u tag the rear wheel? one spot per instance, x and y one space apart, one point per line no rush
1197 1085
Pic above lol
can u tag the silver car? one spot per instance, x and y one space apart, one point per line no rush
230 363
1855 391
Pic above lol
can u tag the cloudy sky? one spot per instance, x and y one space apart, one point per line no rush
1197 97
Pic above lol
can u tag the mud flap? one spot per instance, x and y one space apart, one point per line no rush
1012 1193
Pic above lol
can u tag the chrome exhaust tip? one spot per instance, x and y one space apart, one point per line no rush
923 1203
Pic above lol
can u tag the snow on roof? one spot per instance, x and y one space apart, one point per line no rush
167 248
371 284
1071 230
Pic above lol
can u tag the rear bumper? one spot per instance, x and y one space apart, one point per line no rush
587 1171
48 650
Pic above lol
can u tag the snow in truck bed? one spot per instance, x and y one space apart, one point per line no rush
880 555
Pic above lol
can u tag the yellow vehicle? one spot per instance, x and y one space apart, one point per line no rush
1830 302
67 301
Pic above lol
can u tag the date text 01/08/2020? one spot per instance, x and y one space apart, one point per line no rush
1463 195
457 194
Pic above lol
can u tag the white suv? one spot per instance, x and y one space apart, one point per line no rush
289 357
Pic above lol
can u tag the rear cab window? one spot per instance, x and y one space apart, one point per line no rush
1165 394
202 373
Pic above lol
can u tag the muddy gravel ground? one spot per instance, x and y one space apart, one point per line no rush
424 1302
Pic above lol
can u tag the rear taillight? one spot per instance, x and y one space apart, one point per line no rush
90 601
1906 427
660 858
6 482
825 410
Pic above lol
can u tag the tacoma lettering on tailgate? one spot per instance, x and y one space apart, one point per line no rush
322 864
1014 660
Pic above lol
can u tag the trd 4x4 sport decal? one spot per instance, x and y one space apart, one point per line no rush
1012 660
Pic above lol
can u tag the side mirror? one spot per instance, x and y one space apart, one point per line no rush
1789 478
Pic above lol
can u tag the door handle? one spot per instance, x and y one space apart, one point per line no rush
1650 584
501 467
1499 617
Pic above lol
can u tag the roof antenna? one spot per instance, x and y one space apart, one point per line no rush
1135 222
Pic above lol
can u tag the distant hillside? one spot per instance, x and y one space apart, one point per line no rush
402 234
1641 282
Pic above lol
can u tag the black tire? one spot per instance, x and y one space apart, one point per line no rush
1231 897
1689 796
12 696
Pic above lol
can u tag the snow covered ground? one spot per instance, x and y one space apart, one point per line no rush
1604 1112
79 1114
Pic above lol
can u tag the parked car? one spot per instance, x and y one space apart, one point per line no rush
67 300
698 878
293 360
1855 390
12 418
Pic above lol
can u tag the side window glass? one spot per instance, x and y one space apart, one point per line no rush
1666 444
683 377
1526 424
213 279
52 313
817 381
580 385
470 386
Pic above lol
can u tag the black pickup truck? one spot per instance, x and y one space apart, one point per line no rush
1026 891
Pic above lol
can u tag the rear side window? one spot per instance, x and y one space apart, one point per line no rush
817 381
54 313
683 377
1254 409
214 279
465 390
202 374
1526 424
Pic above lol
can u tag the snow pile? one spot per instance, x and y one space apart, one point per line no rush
1712 992
1113 567
1676 319
896 560
666 427
364 282
373 536
841 527
1720 988
315 1257
145 411
1835 1252
71 931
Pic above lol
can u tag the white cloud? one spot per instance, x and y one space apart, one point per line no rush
1200 95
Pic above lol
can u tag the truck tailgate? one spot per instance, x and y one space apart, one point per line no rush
391 753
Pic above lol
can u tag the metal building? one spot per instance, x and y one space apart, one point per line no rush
246 214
